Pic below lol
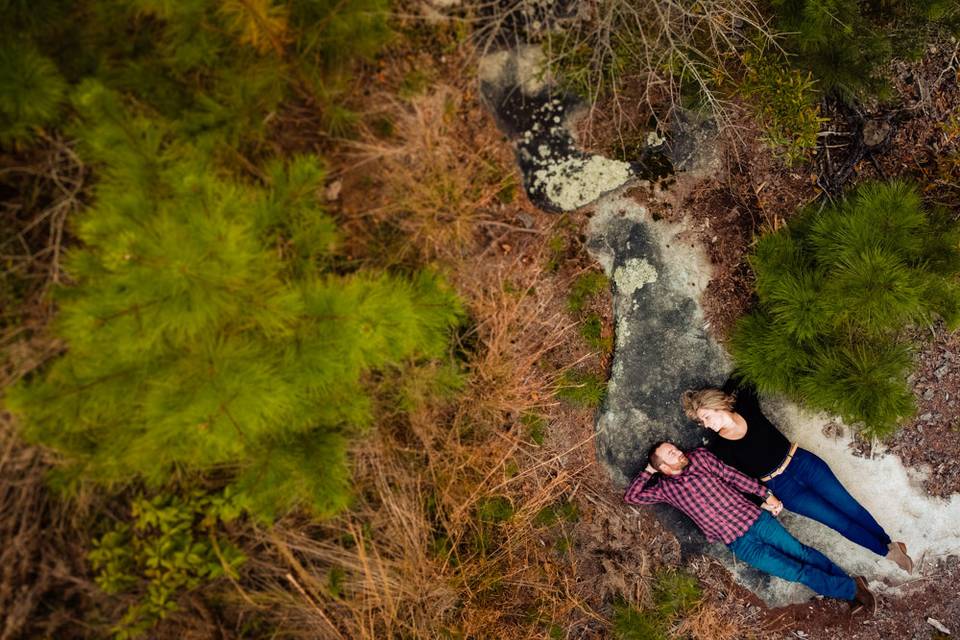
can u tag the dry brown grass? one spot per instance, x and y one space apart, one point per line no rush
43 583
655 55
438 186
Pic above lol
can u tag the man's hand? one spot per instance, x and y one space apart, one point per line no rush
773 505
650 469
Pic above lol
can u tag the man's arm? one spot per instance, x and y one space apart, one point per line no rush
744 483
643 490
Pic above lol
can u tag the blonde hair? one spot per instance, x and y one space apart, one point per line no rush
711 398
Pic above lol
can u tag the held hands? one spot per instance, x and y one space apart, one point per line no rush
773 505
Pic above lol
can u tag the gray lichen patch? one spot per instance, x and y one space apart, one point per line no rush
570 183
633 274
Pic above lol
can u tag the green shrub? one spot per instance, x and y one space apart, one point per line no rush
170 547
206 334
845 43
583 389
31 92
835 288
786 103
834 41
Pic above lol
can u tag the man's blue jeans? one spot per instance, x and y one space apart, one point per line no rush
808 487
769 547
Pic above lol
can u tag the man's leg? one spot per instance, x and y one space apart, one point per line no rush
770 548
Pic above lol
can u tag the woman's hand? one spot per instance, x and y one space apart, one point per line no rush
650 469
773 505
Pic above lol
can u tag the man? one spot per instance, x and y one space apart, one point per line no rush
711 494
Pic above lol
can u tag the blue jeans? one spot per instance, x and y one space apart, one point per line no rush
769 547
808 487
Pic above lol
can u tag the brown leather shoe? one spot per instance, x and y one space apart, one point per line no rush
898 553
864 598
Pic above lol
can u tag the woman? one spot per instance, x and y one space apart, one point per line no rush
802 481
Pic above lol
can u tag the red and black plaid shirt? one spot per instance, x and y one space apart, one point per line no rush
708 491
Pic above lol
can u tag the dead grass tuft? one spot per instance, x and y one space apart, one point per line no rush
41 558
438 184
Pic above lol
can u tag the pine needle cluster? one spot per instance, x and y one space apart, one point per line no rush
845 43
206 335
31 92
836 288
216 69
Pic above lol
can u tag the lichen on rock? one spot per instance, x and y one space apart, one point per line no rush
574 182
632 275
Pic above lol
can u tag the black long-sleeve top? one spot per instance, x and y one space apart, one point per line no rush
761 450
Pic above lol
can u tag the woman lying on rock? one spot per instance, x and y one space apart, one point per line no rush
804 483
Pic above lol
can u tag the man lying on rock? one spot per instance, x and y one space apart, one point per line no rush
711 494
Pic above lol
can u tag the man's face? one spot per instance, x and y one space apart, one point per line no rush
673 459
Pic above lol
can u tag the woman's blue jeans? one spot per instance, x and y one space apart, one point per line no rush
769 547
808 487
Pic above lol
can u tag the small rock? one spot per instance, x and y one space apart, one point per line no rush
332 191
941 371
911 379
526 220
875 132
928 394
927 417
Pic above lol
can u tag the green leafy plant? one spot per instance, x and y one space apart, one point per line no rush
592 331
786 103
836 287
205 332
170 547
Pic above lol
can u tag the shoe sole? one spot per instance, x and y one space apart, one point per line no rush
903 551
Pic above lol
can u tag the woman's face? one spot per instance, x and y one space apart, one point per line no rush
715 419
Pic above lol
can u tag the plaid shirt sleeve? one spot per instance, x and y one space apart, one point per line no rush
644 491
736 479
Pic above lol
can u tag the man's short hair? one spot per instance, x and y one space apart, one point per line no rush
655 461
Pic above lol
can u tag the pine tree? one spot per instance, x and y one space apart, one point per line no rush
31 92
835 288
832 40
205 335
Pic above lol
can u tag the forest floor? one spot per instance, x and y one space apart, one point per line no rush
515 267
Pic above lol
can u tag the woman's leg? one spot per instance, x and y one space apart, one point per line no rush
825 499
